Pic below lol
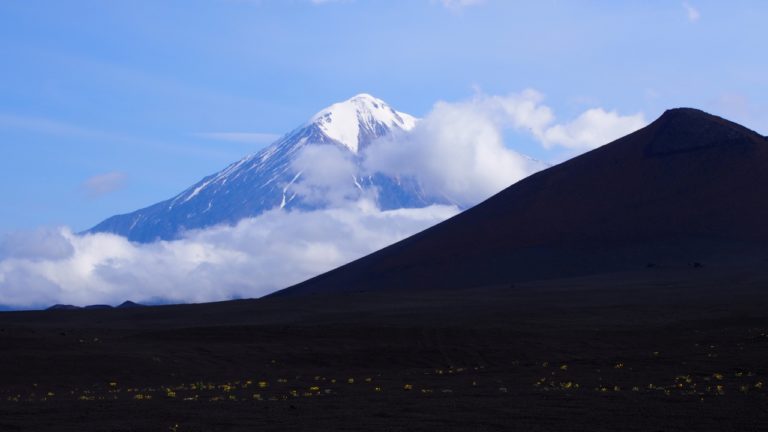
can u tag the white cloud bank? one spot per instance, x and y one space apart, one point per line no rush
253 258
457 151
591 129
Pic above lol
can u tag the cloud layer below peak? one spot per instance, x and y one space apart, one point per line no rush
253 258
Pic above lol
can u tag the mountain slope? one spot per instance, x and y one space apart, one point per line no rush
266 180
688 188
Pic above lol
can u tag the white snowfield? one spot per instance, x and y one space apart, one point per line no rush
343 121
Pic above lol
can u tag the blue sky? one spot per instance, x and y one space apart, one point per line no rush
106 107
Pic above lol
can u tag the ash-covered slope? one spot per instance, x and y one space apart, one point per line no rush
687 190
264 180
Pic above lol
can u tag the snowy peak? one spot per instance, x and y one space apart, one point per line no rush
354 122
269 179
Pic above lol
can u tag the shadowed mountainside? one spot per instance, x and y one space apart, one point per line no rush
685 190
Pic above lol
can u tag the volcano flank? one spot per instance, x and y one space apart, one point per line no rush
687 189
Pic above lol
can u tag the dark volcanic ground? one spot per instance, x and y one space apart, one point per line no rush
655 350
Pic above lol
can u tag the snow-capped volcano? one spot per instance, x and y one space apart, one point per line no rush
359 120
268 179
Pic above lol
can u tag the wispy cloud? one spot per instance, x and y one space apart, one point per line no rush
103 184
692 13
459 4
50 127
322 2
62 129
240 137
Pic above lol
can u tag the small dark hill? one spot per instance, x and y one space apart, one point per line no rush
98 306
687 189
129 305
63 307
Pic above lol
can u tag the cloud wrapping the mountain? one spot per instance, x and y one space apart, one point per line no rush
257 256
456 151
591 129
326 176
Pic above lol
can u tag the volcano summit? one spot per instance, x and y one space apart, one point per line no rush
269 178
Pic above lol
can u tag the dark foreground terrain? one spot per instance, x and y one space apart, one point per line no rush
654 350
